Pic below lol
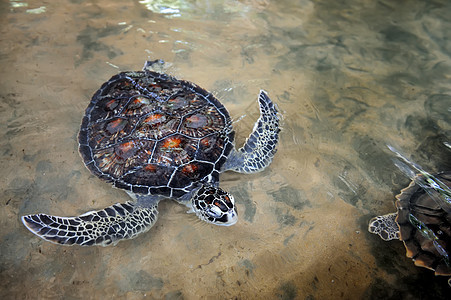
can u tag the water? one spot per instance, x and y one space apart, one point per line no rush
349 77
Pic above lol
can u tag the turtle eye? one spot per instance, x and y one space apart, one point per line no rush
214 212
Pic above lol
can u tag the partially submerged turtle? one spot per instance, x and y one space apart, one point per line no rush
158 137
422 224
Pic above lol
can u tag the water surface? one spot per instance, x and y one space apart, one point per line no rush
349 78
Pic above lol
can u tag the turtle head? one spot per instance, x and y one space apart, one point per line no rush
214 205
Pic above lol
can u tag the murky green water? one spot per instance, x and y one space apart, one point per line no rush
349 78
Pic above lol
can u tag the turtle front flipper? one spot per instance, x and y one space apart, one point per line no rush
385 226
260 147
104 227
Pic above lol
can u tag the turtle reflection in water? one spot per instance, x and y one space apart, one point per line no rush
422 222
158 137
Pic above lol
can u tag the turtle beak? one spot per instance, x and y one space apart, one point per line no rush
229 219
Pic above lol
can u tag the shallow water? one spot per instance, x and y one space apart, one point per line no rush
349 77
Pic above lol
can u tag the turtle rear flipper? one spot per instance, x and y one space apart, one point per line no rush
385 226
260 147
104 227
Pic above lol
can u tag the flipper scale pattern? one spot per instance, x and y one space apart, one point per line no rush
104 227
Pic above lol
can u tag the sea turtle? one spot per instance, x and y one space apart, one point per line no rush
422 224
159 137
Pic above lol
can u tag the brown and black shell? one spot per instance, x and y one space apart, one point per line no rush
423 247
150 133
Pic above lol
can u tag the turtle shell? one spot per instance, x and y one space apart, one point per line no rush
425 228
151 133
